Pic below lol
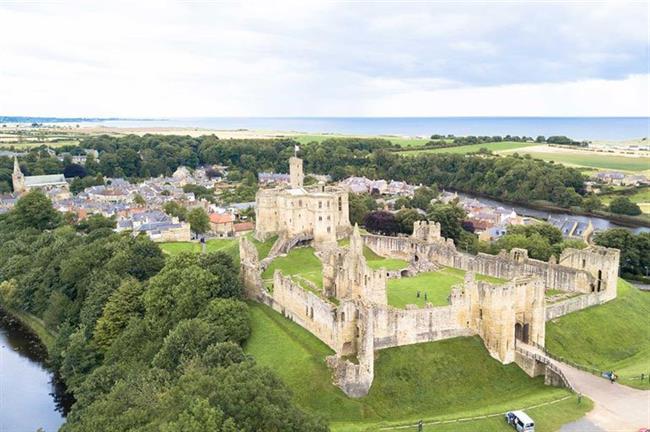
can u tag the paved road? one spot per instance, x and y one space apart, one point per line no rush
616 407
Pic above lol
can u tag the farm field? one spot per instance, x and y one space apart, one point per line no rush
436 285
608 162
495 147
448 379
401 141
623 345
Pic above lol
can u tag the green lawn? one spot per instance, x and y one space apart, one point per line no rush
263 248
300 263
377 261
229 246
587 159
614 336
440 380
495 147
437 286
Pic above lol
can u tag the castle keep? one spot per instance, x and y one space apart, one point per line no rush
351 313
318 214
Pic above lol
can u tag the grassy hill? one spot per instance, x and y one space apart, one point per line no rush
614 336
441 380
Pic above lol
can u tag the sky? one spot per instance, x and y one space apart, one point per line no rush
324 58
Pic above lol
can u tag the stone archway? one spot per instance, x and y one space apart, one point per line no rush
522 332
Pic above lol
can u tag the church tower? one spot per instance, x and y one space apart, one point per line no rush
296 175
17 177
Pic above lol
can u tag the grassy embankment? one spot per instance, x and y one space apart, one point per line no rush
377 261
301 264
495 147
442 380
228 246
641 197
35 324
437 286
614 336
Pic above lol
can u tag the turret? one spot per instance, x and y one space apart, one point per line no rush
296 174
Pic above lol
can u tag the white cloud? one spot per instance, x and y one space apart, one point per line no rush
322 58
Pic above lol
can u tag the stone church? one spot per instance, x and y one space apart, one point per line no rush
23 184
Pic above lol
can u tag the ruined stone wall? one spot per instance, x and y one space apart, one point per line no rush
307 309
563 307
249 269
567 275
355 378
494 311
397 327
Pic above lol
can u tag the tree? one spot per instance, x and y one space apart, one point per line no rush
592 203
623 205
423 196
139 200
635 250
35 210
123 304
95 222
406 217
174 209
228 319
188 339
199 220
359 206
381 222
74 170
450 217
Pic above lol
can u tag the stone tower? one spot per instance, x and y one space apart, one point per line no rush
17 177
296 174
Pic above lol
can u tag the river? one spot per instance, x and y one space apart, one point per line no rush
30 397
598 223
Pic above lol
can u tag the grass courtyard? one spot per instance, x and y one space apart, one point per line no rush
436 285
377 261
300 263
440 380
614 336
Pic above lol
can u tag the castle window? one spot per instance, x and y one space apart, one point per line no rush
311 313
329 229
340 204
328 204
584 263
320 204
320 218
342 316
299 203
480 313
329 218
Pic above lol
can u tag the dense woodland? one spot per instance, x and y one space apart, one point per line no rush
511 178
143 343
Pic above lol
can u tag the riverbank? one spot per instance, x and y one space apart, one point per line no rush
624 221
34 324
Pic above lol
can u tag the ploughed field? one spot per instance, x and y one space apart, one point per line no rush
614 336
435 285
443 380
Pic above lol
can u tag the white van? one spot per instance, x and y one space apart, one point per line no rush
520 421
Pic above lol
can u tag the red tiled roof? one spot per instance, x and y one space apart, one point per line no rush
221 218
244 226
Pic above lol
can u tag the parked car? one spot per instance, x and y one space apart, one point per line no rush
520 421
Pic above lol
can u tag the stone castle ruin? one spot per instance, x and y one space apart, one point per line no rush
351 313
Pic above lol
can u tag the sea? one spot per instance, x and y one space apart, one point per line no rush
578 128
